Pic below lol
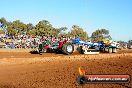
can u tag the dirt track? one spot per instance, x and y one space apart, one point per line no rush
25 70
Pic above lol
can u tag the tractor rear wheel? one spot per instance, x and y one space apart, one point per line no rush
67 48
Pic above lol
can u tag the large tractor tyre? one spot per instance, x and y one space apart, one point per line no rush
67 48
114 50
110 50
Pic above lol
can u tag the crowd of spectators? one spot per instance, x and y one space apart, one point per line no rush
26 41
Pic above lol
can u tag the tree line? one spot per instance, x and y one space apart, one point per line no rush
45 28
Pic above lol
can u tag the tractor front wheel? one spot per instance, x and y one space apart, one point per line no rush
67 48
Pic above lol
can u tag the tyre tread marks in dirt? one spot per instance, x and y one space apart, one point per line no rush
64 48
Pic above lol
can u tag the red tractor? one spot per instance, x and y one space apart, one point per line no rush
64 47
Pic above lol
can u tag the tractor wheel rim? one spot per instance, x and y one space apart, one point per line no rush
69 48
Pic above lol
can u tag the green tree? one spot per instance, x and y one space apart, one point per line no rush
44 28
3 20
62 31
100 34
4 23
18 26
78 31
29 26
11 31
